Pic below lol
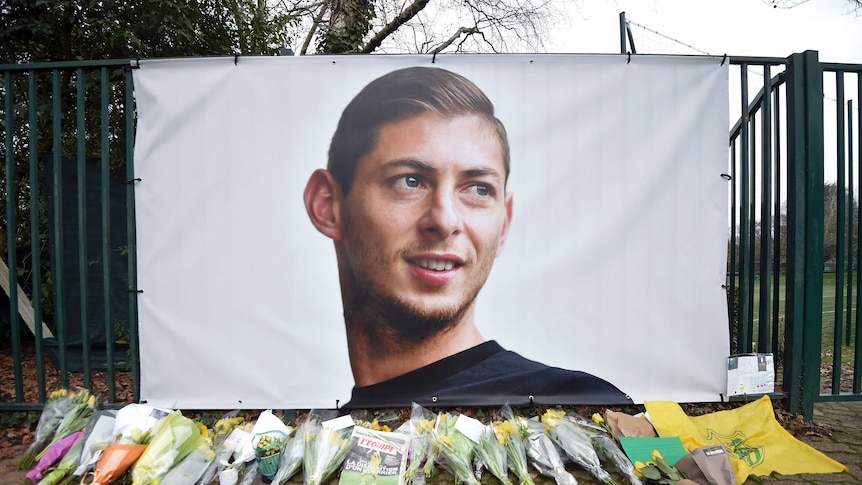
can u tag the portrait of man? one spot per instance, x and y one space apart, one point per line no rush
414 197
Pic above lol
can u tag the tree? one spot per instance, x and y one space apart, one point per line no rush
53 30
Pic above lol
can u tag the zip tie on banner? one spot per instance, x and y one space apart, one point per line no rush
434 57
726 176
630 58
132 290
723 59
133 180
235 59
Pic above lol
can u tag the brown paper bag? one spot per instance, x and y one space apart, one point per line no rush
623 424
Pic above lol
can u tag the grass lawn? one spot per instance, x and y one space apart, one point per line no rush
848 314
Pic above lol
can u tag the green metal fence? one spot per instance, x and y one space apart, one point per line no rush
68 222
68 230
795 222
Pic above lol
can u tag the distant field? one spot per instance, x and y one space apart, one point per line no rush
828 314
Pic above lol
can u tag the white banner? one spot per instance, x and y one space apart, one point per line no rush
614 263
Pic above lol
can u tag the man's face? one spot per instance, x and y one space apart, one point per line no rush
425 218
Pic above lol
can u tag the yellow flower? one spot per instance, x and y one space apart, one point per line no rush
425 426
656 455
552 417
504 431
205 432
92 401
639 466
598 419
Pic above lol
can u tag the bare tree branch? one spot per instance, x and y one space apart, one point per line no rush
317 20
407 14
455 36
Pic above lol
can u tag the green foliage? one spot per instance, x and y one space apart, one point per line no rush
18 419
350 21
53 30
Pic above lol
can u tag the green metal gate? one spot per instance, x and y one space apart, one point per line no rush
68 229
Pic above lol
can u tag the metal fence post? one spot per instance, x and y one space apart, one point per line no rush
805 231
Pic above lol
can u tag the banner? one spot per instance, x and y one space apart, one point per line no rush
613 265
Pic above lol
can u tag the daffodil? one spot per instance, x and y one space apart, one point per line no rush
325 450
456 448
493 455
60 404
422 452
572 439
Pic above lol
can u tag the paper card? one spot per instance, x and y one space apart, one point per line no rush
340 422
469 427
750 374
640 449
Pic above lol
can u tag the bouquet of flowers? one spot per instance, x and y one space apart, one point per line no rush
512 432
544 454
54 454
455 448
191 468
658 471
268 438
326 446
291 457
570 438
60 404
119 457
174 438
98 435
607 449
492 453
67 464
421 428
217 438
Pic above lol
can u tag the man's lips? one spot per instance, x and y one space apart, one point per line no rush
435 270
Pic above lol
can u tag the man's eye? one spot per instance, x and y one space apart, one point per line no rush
411 181
482 190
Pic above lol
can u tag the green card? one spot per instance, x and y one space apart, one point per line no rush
640 449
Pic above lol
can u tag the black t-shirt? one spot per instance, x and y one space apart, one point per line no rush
487 375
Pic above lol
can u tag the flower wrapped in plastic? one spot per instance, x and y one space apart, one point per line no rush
420 428
60 404
53 454
291 457
98 435
174 438
456 449
492 452
544 454
269 436
326 445
607 449
192 467
118 457
512 432
565 432
217 438
67 464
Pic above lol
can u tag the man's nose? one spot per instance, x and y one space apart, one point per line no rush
442 218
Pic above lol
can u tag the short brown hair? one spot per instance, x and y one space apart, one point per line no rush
397 96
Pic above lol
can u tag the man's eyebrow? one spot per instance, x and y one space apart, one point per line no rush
419 165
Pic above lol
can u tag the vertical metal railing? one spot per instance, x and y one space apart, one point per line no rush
69 229
798 288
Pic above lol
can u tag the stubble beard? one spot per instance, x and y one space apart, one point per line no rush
388 323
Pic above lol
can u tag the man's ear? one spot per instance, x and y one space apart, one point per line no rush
505 232
323 203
